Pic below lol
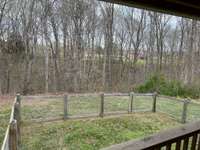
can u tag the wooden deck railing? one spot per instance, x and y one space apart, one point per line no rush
12 136
182 138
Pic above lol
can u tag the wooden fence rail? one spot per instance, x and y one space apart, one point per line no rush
12 136
102 96
181 138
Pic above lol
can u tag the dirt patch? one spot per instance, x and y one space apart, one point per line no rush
6 100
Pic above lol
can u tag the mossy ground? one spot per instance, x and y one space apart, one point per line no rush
92 134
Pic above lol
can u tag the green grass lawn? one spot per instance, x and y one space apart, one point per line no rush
41 109
92 134
4 120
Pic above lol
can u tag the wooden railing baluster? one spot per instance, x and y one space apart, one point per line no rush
185 143
168 147
198 142
157 148
194 141
178 145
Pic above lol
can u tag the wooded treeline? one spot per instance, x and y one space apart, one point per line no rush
86 45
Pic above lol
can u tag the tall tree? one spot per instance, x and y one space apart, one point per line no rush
108 19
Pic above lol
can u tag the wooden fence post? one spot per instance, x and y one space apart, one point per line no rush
17 118
19 99
154 102
65 107
19 102
131 102
13 137
184 112
101 114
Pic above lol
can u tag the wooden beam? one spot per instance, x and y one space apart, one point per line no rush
184 8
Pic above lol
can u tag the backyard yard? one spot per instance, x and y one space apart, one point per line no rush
93 133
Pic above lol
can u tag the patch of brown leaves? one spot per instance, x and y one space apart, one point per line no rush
6 100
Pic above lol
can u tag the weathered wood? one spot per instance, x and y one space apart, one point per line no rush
65 107
171 98
185 143
12 127
178 144
101 114
116 94
13 137
157 148
18 98
168 147
184 112
194 141
19 101
154 102
182 8
17 118
46 97
12 113
198 142
160 139
131 102
143 94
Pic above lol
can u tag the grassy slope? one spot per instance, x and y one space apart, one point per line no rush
4 120
92 134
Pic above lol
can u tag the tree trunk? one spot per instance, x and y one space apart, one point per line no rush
46 52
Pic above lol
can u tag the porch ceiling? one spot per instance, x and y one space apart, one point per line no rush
185 8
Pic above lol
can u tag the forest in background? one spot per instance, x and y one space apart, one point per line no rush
91 46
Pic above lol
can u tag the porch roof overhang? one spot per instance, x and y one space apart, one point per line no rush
184 8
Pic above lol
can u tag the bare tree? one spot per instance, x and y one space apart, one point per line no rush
85 45
108 18
161 29
191 33
136 27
